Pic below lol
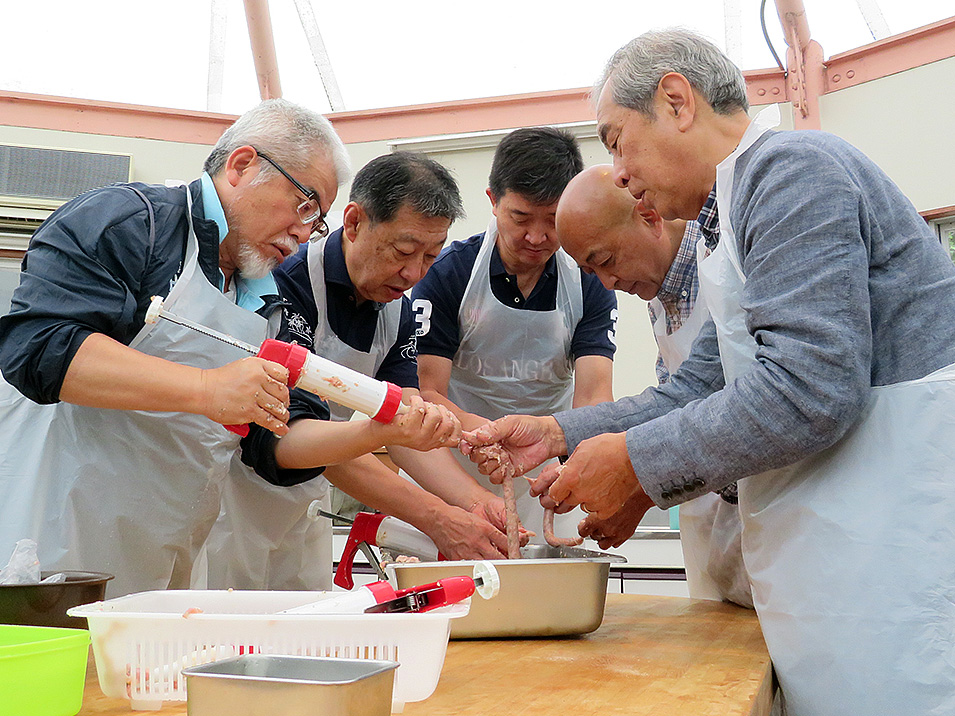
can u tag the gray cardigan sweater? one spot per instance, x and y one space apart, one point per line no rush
846 288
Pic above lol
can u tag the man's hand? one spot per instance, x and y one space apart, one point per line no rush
492 510
251 390
598 476
424 427
619 527
461 535
541 484
513 445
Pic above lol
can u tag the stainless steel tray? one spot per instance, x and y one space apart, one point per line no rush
553 591
258 684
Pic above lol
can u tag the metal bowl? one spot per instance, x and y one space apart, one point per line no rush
46 604
290 686
552 591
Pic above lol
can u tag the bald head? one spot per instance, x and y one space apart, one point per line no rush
592 204
629 248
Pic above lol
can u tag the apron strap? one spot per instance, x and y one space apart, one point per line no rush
152 217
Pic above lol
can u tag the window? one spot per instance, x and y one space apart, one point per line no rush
945 228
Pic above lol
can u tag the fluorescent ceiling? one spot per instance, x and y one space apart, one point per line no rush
383 53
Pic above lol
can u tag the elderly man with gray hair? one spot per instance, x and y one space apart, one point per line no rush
113 445
630 248
825 384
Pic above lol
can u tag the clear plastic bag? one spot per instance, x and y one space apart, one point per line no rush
24 567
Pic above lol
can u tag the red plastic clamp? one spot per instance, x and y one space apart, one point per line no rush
364 529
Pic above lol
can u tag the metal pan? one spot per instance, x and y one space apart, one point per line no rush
545 551
553 591
257 684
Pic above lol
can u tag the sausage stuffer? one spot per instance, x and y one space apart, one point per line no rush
382 531
378 399
382 598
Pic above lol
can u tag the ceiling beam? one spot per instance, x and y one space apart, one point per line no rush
892 55
804 62
871 62
263 48
216 74
874 19
320 54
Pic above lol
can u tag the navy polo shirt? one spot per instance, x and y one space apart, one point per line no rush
352 322
437 301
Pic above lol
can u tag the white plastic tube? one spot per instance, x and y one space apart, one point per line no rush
401 538
348 387
353 602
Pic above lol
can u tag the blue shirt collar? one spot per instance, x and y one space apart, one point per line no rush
248 292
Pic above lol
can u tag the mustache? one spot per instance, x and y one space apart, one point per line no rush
288 243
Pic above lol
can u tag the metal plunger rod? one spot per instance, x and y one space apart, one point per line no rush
156 311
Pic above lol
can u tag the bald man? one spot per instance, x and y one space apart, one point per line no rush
631 249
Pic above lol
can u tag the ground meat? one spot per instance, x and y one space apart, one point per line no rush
336 382
400 559
513 523
553 540
496 452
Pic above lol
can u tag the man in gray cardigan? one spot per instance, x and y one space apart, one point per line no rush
825 384
655 260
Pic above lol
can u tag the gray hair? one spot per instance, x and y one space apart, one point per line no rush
287 132
635 70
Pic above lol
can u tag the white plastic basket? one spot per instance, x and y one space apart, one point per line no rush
141 642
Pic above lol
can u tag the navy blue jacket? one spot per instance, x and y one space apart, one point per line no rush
91 268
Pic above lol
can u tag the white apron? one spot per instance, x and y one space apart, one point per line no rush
851 552
126 492
675 347
263 538
710 528
516 361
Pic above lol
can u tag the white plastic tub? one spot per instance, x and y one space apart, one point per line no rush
141 642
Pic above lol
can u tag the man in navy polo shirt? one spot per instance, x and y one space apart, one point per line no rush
346 302
508 323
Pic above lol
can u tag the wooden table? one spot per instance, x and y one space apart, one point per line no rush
659 656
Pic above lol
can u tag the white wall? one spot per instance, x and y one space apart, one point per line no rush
906 124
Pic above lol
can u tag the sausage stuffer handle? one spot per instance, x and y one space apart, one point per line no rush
382 531
378 399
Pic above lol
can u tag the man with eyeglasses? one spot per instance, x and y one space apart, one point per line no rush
346 302
113 446
310 209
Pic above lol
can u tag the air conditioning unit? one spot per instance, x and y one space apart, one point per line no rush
34 181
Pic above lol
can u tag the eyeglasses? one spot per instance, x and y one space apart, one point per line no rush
310 210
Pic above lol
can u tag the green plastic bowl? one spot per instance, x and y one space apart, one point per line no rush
42 670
